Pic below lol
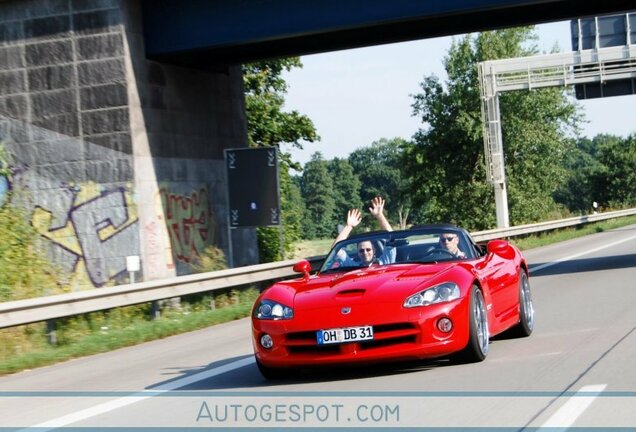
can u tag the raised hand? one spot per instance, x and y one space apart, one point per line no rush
377 206
377 210
353 218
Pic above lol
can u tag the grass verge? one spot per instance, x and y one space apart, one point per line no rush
310 248
139 330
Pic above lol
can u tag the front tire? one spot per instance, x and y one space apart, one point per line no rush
479 337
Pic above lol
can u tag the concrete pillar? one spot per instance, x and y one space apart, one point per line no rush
117 155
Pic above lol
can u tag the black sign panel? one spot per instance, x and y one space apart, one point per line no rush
252 179
602 32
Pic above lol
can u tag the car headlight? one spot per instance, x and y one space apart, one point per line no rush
444 292
268 309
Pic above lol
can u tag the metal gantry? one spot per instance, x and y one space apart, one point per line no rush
528 73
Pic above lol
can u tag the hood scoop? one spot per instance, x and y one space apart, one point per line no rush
354 292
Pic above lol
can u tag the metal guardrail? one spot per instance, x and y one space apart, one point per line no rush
480 236
62 305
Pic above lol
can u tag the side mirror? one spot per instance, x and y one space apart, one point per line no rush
501 248
302 267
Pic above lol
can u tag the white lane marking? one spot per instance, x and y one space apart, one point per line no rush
568 258
137 397
516 357
574 407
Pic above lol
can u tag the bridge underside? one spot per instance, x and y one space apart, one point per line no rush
204 34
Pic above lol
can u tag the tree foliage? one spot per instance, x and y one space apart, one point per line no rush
292 209
578 192
614 179
379 169
601 170
345 190
24 270
317 190
269 125
446 162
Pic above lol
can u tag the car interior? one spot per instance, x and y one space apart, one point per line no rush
416 247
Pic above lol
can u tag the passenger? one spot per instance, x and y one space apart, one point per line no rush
367 253
354 217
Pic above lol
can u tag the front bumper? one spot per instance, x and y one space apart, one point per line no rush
412 335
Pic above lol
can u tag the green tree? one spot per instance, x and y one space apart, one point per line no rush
346 190
317 190
292 209
602 169
615 180
269 125
379 168
580 189
446 163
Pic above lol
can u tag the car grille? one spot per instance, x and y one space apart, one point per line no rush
385 335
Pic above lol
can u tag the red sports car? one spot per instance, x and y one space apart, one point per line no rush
426 292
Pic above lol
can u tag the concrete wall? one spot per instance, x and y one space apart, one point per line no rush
113 155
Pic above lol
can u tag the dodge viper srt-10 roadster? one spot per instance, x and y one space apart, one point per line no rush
421 293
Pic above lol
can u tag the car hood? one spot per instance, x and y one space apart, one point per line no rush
374 285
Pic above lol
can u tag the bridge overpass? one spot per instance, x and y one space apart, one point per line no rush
201 33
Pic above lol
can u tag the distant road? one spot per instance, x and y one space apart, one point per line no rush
577 369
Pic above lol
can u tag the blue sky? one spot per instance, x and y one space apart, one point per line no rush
358 96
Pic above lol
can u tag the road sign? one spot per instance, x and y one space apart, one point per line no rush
253 191
602 32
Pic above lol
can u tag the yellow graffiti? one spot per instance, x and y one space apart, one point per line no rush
80 280
66 236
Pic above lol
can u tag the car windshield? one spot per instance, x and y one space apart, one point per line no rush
418 245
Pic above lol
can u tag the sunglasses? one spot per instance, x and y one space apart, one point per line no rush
362 250
447 239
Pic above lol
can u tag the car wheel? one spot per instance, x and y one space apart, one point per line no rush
479 338
272 373
526 309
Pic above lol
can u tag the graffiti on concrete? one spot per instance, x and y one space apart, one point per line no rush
189 220
99 230
159 253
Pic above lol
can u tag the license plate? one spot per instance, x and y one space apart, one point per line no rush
341 335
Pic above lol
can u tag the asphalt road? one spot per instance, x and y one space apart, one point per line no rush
576 370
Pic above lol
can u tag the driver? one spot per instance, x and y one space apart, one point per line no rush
449 241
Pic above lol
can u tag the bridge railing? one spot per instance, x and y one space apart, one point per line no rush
27 311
